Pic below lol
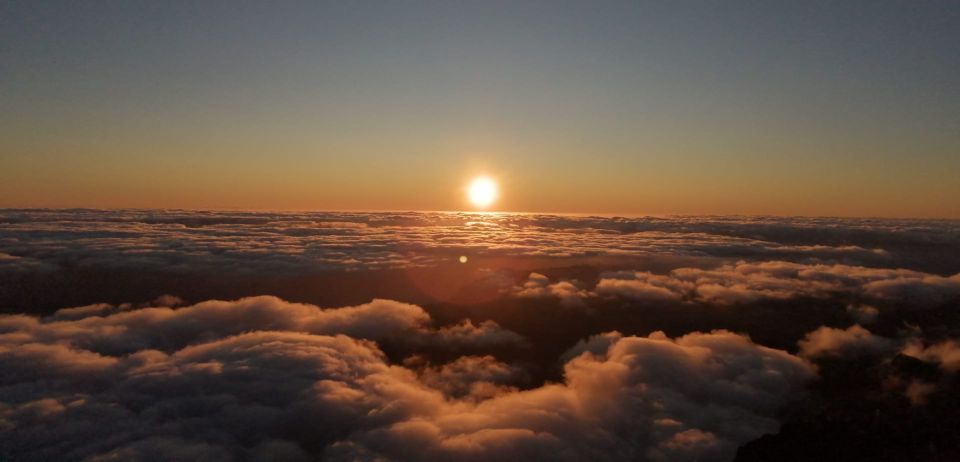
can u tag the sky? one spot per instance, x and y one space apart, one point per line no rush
784 108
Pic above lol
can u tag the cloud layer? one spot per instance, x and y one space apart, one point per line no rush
257 242
749 282
264 379
260 378
106 329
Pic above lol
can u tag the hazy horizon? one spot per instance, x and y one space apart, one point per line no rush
490 212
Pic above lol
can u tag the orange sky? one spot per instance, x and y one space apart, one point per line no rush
616 110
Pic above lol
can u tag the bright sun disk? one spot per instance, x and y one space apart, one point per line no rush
482 192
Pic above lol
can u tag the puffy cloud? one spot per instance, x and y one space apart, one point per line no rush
946 353
466 334
539 286
263 379
121 330
642 398
167 300
643 286
203 399
596 345
477 377
915 289
845 343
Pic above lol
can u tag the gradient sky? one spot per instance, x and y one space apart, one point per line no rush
766 107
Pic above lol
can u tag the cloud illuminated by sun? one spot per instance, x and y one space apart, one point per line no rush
482 192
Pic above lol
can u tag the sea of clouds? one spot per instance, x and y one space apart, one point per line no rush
262 378
254 242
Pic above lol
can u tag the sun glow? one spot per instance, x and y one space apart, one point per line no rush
482 192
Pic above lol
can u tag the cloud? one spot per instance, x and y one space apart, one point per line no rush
843 343
476 377
915 289
643 285
749 282
264 379
294 243
918 392
539 286
203 398
945 354
121 330
863 314
643 398
466 334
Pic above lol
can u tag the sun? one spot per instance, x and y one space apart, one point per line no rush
482 192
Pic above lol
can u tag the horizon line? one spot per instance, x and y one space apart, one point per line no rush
487 212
